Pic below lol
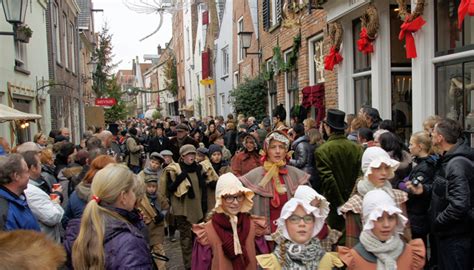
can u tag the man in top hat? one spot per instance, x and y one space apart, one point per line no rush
182 138
159 142
338 163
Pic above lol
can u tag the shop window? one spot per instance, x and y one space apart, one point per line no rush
402 104
361 60
449 38
363 92
454 92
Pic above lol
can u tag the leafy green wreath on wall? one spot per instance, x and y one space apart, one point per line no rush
278 64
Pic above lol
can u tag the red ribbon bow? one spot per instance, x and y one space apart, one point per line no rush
332 59
466 6
364 44
406 32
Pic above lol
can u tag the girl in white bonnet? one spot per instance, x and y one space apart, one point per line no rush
298 248
378 169
381 247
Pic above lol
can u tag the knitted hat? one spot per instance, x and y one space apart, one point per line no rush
203 151
375 203
214 148
229 184
187 149
308 194
373 157
290 207
166 153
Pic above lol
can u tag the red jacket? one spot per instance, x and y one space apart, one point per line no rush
244 161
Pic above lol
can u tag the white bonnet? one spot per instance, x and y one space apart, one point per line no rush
373 157
229 184
306 193
290 207
375 203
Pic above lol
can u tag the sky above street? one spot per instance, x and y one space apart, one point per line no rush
127 28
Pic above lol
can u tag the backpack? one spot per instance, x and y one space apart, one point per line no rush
3 213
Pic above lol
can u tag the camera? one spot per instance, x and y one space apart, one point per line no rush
418 180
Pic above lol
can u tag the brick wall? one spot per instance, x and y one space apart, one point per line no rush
311 25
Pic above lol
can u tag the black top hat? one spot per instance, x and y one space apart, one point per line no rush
335 119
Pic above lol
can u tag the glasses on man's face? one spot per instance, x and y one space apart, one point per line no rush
294 219
231 198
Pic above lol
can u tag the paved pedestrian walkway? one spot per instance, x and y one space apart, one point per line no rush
173 252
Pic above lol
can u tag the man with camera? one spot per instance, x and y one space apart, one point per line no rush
450 213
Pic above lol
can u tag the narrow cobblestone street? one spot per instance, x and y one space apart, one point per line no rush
173 252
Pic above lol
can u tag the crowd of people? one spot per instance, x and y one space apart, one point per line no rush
345 192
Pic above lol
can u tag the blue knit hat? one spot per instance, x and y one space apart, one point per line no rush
214 148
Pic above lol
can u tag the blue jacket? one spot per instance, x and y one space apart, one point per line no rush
19 215
74 209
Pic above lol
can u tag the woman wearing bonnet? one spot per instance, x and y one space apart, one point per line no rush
297 244
378 169
381 246
232 237
275 182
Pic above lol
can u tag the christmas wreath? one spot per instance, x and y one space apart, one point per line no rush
369 31
412 22
334 57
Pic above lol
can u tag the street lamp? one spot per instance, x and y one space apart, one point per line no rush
246 41
15 12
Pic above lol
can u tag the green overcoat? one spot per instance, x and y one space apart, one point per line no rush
338 162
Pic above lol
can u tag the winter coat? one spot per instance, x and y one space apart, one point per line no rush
243 162
303 157
134 152
417 205
338 163
230 140
47 212
176 144
77 202
158 144
124 244
451 202
18 215
47 172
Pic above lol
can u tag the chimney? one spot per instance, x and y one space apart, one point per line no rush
159 49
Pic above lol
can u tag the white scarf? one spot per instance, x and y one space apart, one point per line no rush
365 186
387 252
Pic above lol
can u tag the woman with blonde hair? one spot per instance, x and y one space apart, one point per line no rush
110 236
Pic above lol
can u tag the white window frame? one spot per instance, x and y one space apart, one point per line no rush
65 43
240 49
72 46
21 55
311 59
288 94
225 61
236 80
57 33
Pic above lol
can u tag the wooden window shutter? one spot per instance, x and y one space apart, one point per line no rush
278 5
205 64
266 14
205 17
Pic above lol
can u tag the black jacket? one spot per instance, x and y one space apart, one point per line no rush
175 145
158 144
451 200
230 140
417 205
303 158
